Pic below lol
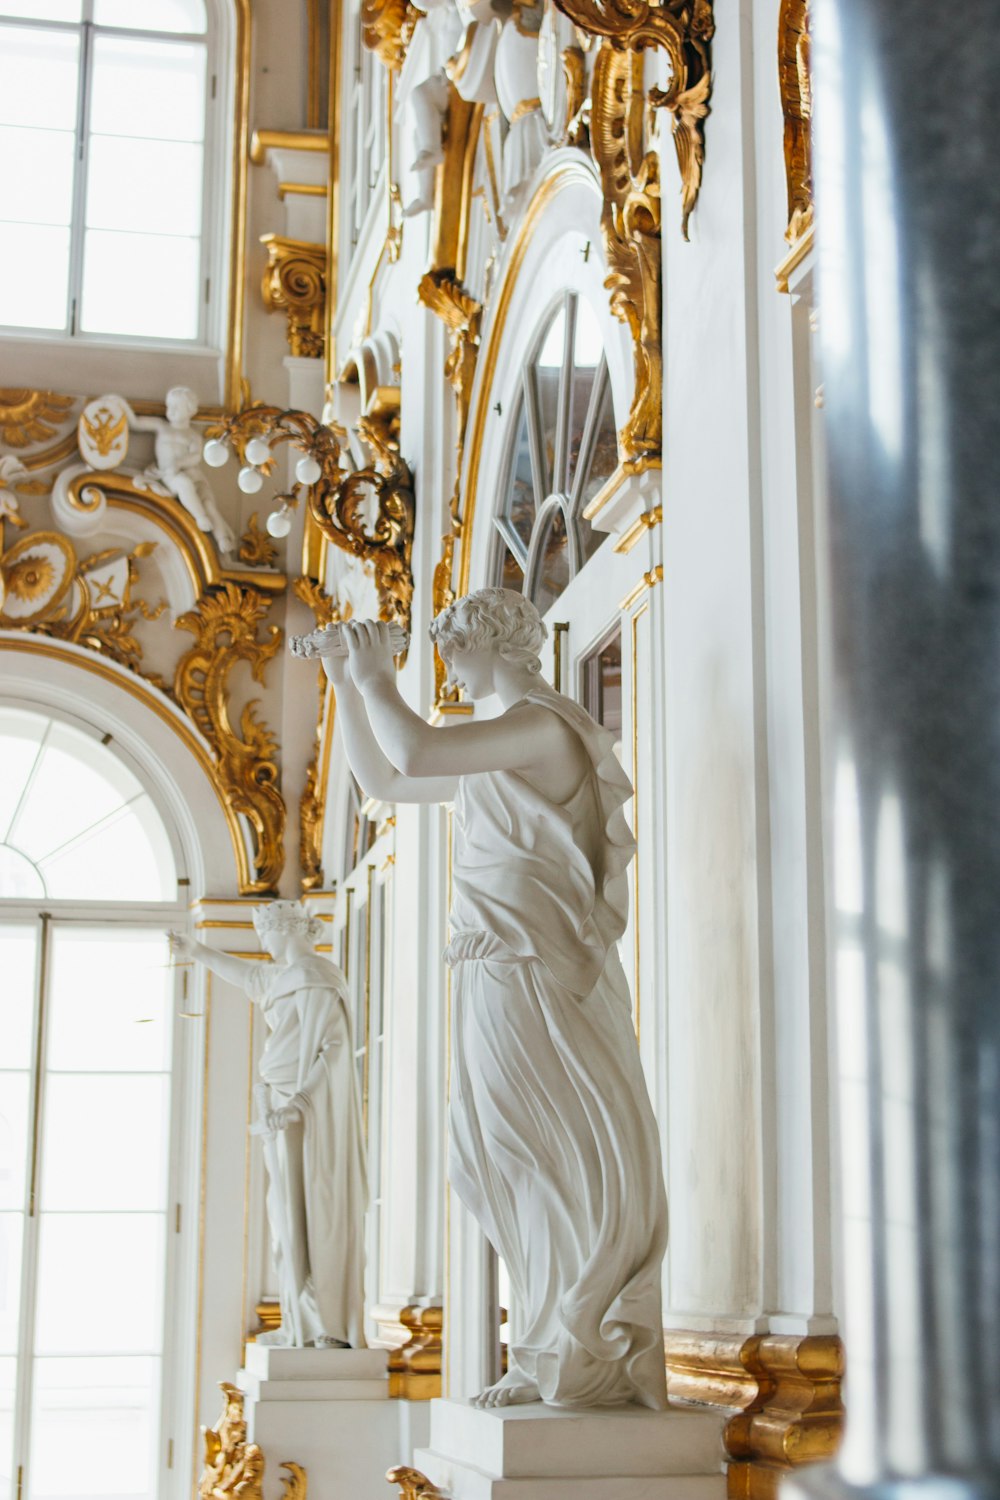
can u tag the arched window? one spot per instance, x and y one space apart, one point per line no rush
104 117
564 446
88 1032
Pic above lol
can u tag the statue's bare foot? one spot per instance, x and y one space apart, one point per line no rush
514 1389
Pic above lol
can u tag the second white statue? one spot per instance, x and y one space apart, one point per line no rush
310 1125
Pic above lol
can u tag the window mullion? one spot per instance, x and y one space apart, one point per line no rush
80 168
29 1239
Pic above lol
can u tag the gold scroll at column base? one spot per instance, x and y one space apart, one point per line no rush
412 1484
415 1367
235 1468
787 1392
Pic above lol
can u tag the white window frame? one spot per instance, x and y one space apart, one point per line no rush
177 1391
92 361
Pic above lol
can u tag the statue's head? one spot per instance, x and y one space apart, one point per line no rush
281 920
181 403
497 621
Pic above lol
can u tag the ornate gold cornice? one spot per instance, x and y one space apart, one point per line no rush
295 284
224 623
234 1468
794 82
787 1395
387 27
684 29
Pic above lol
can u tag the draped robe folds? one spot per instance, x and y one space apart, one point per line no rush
554 1146
317 1190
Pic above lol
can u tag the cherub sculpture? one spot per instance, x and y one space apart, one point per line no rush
178 462
553 1143
310 1124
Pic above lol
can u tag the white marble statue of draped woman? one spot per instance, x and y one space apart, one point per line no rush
311 1126
553 1143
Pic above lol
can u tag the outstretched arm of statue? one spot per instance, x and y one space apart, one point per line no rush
376 773
188 950
525 737
142 424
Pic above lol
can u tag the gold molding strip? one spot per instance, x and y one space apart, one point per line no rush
237 251
303 189
796 255
647 581
795 87
263 141
648 521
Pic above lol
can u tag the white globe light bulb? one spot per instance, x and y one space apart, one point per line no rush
307 470
249 480
215 453
257 451
279 523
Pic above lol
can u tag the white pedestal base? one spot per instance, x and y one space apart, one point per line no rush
542 1453
328 1410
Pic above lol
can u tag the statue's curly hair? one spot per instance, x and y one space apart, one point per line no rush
286 916
493 617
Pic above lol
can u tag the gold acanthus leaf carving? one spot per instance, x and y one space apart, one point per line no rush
462 315
630 229
387 27
256 548
295 283
28 416
234 1469
412 1484
684 29
384 492
312 803
225 626
795 84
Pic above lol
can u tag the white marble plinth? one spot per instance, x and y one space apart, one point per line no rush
328 1410
543 1453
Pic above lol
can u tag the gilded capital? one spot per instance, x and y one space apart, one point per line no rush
295 283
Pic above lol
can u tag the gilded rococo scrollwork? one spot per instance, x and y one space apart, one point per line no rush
684 29
366 512
28 416
387 27
794 81
49 587
295 283
234 1468
225 626
630 228
312 803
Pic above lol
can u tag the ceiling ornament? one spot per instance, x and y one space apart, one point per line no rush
295 283
312 803
234 1468
794 81
684 29
28 416
225 625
